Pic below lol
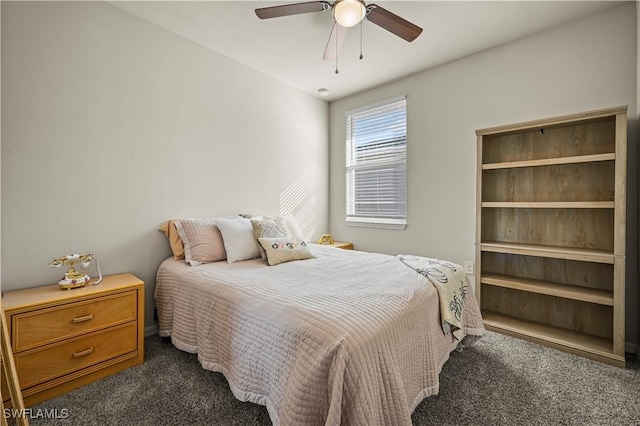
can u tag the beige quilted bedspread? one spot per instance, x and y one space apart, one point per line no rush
348 338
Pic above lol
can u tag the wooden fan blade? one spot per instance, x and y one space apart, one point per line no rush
292 9
333 47
393 23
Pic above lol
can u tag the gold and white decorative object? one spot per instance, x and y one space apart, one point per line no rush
73 278
326 239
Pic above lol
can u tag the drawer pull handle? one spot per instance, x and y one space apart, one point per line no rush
81 319
82 353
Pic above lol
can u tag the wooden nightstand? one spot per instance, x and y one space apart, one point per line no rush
341 244
64 339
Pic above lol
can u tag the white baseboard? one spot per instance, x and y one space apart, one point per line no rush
150 330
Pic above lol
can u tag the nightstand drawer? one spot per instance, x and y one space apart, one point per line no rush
48 325
55 360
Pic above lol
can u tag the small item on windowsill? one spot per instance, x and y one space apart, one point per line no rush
326 239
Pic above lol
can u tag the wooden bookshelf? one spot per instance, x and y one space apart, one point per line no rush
550 231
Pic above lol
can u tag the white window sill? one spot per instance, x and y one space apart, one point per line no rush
370 222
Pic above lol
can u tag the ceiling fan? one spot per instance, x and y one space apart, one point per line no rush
346 14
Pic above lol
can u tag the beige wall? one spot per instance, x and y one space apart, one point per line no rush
585 65
112 125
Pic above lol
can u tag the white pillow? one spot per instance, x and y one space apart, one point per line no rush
239 241
292 226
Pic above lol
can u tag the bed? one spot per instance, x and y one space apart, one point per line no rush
347 337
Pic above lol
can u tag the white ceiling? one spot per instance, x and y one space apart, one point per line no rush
291 48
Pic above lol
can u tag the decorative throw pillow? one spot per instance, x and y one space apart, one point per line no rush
169 230
280 250
268 227
239 242
202 240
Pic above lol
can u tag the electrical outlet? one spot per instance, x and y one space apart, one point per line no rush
468 267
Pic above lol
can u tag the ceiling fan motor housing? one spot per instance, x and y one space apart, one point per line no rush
349 13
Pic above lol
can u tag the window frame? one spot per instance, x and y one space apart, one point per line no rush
351 218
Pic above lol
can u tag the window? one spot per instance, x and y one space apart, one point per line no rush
377 165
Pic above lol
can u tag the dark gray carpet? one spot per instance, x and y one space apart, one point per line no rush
500 381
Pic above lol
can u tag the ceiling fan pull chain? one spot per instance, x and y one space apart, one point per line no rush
361 39
337 72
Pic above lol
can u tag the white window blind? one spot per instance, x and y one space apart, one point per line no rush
377 165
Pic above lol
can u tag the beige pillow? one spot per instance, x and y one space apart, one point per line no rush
280 250
268 227
169 230
202 241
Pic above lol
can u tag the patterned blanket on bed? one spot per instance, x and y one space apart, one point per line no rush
450 281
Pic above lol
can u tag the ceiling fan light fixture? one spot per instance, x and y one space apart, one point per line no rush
348 13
